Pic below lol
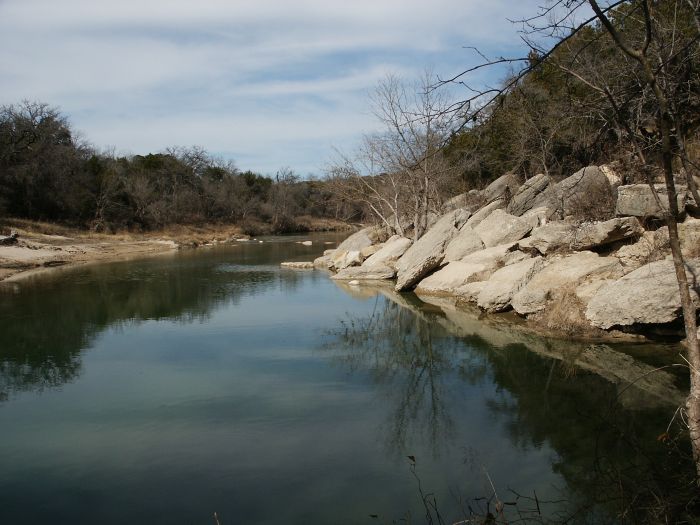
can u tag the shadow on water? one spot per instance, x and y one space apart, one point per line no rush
604 409
46 321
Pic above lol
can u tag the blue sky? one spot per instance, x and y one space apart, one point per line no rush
268 83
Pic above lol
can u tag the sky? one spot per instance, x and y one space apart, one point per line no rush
267 83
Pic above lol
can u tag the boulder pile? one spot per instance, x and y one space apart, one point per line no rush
527 244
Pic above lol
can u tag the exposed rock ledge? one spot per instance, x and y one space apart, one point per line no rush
510 254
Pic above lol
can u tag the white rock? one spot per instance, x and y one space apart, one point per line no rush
507 184
388 254
638 200
528 194
594 234
561 273
502 228
648 295
454 275
496 294
303 265
484 212
427 253
466 242
370 273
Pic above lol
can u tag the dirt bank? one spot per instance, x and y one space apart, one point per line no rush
41 245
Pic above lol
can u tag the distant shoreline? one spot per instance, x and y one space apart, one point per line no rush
45 247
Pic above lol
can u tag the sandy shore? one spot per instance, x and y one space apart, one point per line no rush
42 246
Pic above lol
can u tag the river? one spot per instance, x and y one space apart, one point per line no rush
168 389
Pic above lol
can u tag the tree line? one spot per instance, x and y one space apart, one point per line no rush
48 172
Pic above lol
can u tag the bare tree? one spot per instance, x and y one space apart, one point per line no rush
400 173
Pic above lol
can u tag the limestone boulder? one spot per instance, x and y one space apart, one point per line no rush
539 216
477 266
648 295
456 274
504 186
360 239
464 243
484 212
325 262
468 293
458 201
568 271
427 253
549 238
528 194
651 246
594 234
497 256
370 250
375 272
502 228
689 233
569 195
496 294
390 252
637 200
345 259
614 178
300 265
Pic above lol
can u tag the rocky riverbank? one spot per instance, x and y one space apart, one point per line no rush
525 247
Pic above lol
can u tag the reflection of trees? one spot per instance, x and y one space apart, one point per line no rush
600 409
45 326
405 354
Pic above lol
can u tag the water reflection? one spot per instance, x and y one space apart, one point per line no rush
404 357
47 321
601 409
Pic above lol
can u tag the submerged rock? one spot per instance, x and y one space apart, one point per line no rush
302 265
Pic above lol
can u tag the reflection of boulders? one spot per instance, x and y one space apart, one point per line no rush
600 409
641 384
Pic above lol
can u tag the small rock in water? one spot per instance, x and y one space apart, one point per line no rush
260 242
301 265
354 283
307 243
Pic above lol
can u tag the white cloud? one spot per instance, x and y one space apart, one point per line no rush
138 75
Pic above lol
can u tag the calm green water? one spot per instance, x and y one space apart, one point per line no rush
164 390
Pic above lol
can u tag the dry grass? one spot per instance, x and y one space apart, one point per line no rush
564 314
597 204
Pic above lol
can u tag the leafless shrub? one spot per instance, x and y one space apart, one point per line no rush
564 313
